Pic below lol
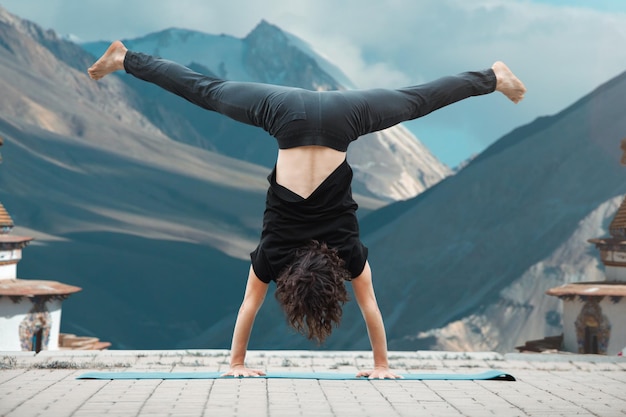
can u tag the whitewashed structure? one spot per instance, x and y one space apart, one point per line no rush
594 313
30 310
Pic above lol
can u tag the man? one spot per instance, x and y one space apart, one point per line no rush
310 241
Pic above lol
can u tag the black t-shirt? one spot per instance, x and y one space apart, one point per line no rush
291 222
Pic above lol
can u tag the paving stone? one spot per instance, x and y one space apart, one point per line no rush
45 385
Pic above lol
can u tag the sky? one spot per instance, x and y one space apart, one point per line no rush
561 49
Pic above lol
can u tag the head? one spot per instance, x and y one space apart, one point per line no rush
312 291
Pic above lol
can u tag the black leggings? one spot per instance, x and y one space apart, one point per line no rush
297 117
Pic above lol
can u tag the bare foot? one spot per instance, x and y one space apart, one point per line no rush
507 83
112 60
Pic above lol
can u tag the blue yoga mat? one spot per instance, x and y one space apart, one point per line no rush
493 375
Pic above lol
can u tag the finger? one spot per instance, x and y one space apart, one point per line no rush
254 374
383 376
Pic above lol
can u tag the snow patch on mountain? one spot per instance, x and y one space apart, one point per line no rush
394 165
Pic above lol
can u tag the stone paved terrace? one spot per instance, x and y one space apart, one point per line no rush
547 385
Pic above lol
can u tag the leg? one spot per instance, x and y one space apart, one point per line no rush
379 109
251 103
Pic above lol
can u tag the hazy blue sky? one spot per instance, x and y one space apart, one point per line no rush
562 49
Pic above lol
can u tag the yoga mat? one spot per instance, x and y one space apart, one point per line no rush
493 375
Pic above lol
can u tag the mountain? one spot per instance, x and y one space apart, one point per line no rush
390 165
473 255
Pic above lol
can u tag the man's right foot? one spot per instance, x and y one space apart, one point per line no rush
507 83
112 60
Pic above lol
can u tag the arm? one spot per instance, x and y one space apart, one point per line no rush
365 297
252 301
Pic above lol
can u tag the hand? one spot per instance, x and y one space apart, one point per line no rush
379 372
241 371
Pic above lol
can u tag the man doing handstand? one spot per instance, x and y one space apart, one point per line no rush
310 241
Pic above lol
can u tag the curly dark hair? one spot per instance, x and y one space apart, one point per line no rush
312 291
